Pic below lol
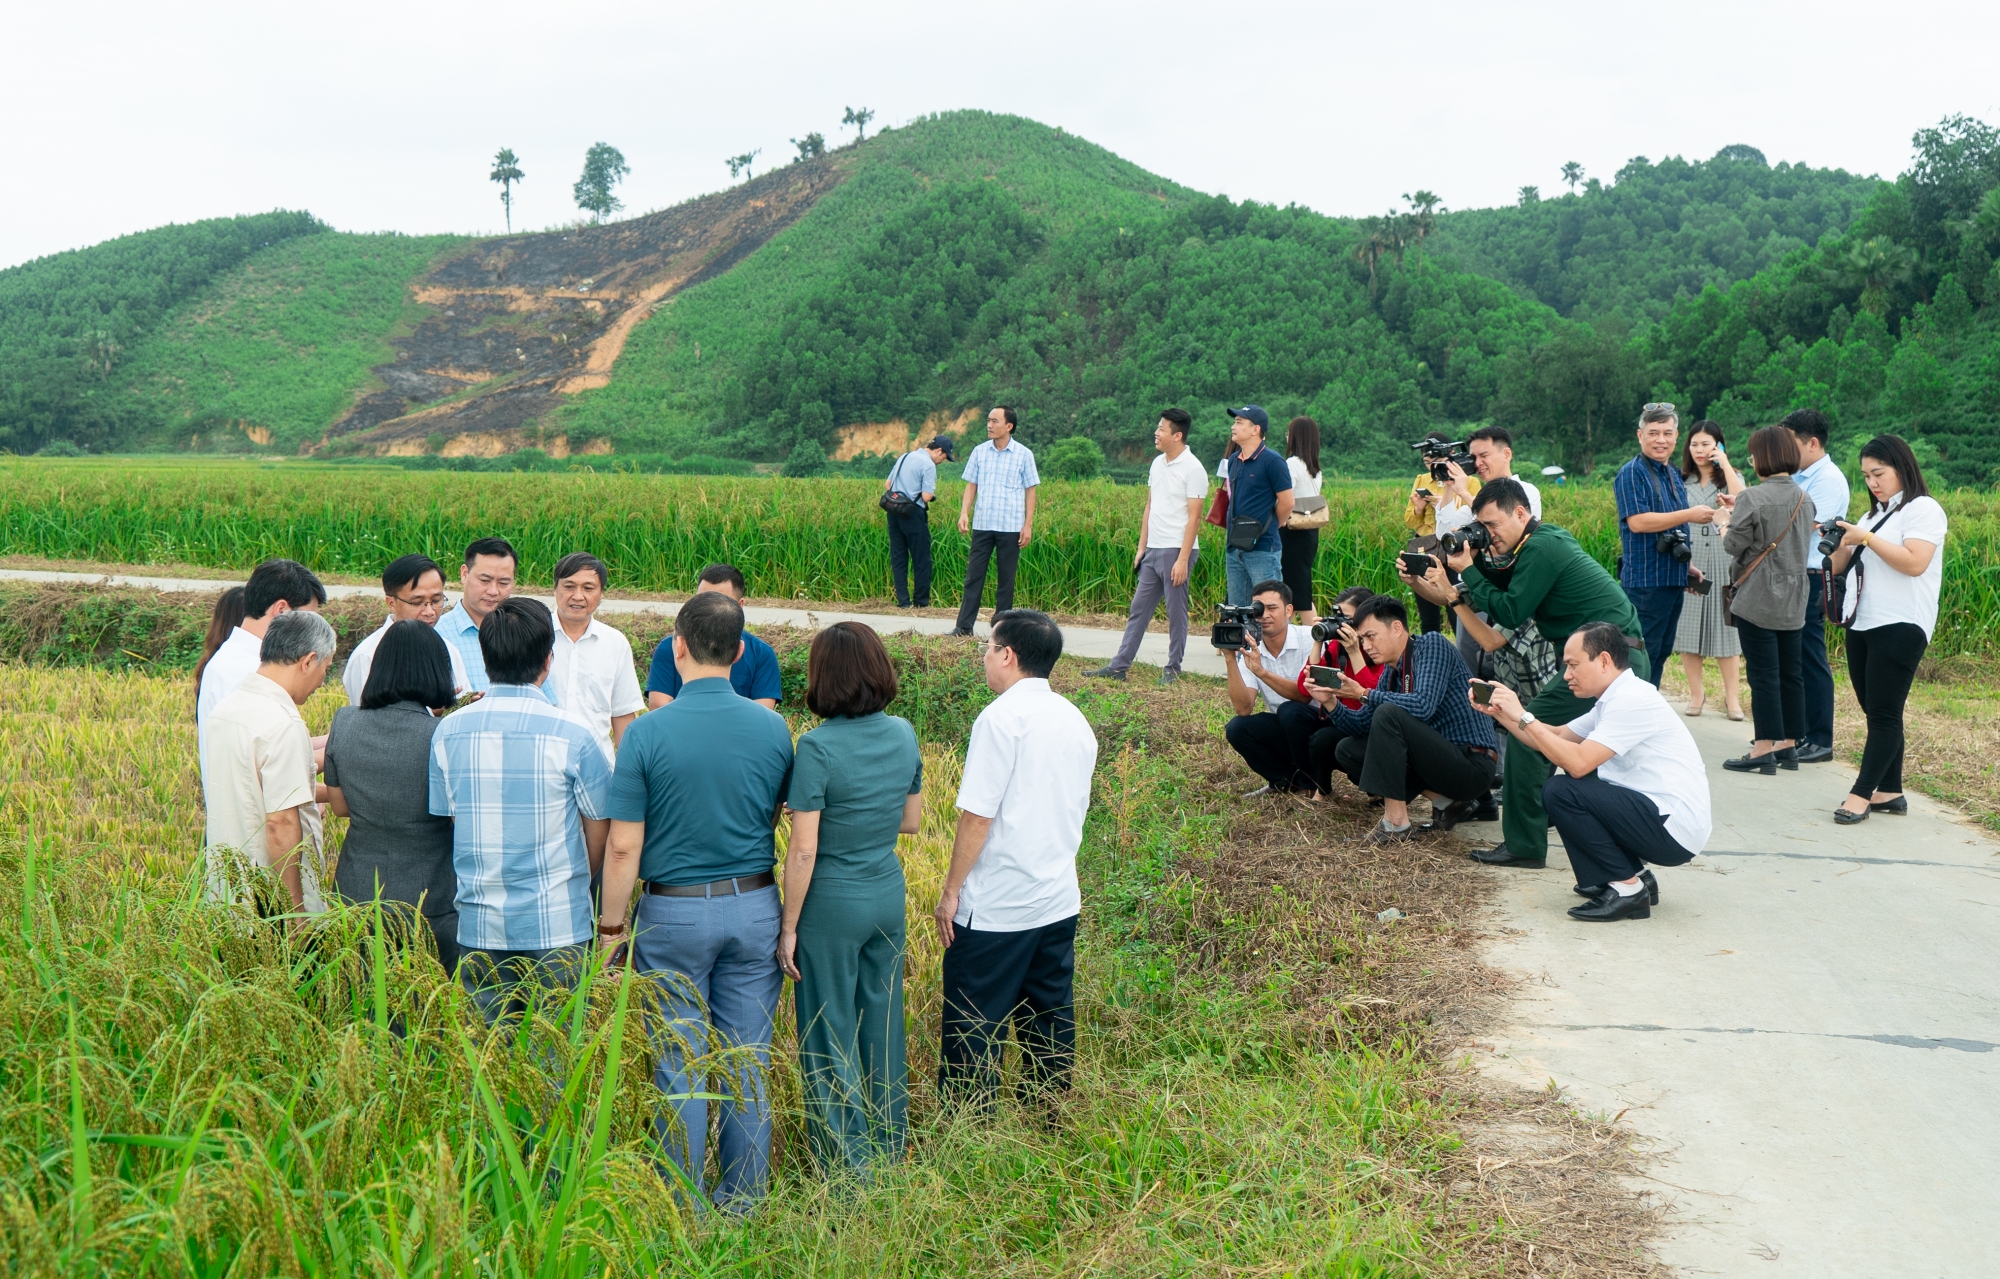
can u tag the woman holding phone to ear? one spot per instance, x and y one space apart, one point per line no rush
1703 635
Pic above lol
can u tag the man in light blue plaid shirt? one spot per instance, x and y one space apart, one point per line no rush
998 511
528 787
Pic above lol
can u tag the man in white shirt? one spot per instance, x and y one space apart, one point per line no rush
257 778
1632 790
486 579
1268 670
592 666
1826 485
1007 914
998 511
275 587
1175 490
1492 450
413 590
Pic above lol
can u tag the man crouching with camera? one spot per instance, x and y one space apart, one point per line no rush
1414 734
1633 789
1270 653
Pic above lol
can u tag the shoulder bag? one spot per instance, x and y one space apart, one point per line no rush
1729 591
894 502
1308 512
1218 506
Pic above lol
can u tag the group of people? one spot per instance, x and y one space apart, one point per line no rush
506 781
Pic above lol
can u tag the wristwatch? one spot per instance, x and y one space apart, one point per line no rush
1527 718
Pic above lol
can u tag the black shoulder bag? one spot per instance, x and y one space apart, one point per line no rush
896 503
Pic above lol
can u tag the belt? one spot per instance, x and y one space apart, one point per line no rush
716 888
1486 751
1636 641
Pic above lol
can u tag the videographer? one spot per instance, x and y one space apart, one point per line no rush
1530 571
1413 733
1634 791
1269 657
1653 515
1427 495
1492 450
1308 727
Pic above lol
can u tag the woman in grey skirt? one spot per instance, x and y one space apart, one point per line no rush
1710 478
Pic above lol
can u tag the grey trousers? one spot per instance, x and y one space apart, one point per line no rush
1156 570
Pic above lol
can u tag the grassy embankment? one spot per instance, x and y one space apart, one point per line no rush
1259 1088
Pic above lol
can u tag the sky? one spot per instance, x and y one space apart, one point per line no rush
385 116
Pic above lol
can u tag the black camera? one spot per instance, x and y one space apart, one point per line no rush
1329 628
1830 534
1439 455
1472 536
1675 544
1237 626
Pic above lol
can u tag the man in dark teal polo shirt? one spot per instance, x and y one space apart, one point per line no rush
698 789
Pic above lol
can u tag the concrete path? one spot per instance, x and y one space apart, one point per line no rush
1078 641
1806 1031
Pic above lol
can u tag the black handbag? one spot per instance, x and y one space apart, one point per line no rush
896 503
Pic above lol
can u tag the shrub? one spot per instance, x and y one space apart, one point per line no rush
1076 458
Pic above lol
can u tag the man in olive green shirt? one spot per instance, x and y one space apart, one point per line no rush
1555 583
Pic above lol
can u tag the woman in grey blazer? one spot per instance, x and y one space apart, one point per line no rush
1768 533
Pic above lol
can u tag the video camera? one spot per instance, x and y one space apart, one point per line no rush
1439 455
1237 626
1830 534
1473 536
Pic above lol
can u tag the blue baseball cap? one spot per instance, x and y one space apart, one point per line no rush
943 443
1256 413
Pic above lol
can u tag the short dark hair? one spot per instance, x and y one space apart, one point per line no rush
516 639
1496 434
1179 420
275 580
1007 411
711 624
848 672
577 561
1035 639
1774 451
1386 607
411 665
1354 595
1600 638
1807 422
1507 491
1273 587
1894 453
724 575
498 547
407 570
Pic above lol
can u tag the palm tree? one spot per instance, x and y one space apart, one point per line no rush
1875 266
507 171
1424 208
1530 195
1572 174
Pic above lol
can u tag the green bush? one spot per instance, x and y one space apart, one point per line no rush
1076 458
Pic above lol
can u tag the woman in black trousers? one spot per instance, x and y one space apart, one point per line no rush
1767 532
1893 566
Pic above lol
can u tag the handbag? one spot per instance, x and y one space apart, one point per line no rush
1729 591
896 503
1218 509
1833 599
1308 512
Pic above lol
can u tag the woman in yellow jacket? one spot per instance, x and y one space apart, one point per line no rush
1427 495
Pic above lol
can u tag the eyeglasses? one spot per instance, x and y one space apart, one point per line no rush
422 601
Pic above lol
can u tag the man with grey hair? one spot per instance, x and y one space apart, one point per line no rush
257 769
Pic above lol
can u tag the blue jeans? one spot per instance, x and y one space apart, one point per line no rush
1244 569
1659 609
715 961
1813 665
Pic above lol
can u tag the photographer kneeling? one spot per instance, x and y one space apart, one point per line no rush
1308 728
1413 734
1270 653
1634 790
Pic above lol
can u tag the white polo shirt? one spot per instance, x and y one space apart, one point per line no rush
237 659
1652 753
259 761
354 676
1172 484
1451 516
1286 665
1028 767
593 677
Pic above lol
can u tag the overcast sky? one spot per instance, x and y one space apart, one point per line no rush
384 116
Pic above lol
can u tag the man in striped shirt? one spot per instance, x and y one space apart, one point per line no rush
998 511
527 786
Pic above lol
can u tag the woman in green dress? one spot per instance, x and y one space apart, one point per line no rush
857 783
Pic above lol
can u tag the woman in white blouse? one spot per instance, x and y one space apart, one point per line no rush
1893 563
1300 546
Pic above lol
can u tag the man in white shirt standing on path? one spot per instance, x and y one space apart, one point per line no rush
1175 490
275 588
998 510
1632 790
592 666
413 590
1826 486
1007 915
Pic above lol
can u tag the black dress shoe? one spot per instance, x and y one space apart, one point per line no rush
1450 815
1814 753
1788 758
1842 817
1767 764
1609 907
1645 877
957 634
1488 809
1499 856
1899 806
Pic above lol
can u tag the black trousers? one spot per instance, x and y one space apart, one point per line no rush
1817 671
1881 664
1610 831
1298 548
1301 722
910 548
1402 757
991 979
1430 617
1261 740
985 546
1772 665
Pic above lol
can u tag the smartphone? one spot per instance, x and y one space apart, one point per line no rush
1482 692
1324 676
1703 587
1415 563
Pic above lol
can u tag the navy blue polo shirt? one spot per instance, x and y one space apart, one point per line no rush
1254 486
754 675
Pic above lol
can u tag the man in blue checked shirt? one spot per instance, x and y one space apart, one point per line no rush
999 512
528 788
1416 732
1652 500
485 579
